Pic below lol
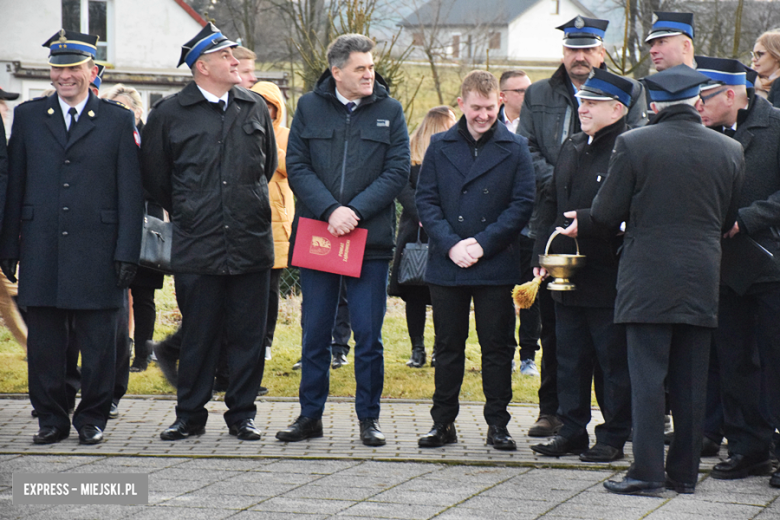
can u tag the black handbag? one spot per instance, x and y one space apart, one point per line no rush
156 244
414 260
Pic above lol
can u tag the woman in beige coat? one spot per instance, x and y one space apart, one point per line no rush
282 203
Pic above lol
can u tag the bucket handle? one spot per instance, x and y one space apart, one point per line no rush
555 234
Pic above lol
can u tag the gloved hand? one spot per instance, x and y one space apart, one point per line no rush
125 272
8 265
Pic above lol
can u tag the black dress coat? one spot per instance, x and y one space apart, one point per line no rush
489 197
675 183
408 228
578 175
210 170
74 207
758 131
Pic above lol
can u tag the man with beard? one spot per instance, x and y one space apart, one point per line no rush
548 117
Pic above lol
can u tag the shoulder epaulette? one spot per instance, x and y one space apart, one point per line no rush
117 103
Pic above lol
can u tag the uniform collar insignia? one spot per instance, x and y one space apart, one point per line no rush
91 113
50 111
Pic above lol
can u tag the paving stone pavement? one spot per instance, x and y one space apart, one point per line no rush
216 476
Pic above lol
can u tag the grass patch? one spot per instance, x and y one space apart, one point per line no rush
400 380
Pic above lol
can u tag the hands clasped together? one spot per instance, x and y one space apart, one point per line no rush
466 252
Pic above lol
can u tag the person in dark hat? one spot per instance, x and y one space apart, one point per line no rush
748 328
671 40
548 118
673 185
208 153
587 336
95 85
73 223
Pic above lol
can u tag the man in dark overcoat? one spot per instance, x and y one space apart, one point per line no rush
207 156
587 336
73 222
674 183
748 325
548 118
474 195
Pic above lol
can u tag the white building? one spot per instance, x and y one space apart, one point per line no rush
140 42
521 30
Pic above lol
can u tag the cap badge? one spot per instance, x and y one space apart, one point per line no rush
579 23
62 39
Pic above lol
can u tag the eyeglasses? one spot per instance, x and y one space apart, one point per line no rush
518 90
705 98
757 55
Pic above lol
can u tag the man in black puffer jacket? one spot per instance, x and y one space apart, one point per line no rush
347 160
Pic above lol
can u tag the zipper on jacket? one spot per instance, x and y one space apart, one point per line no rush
344 159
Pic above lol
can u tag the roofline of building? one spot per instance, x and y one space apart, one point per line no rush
190 11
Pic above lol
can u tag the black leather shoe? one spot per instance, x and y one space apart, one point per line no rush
560 446
49 435
181 429
262 391
90 434
545 426
339 360
167 357
709 448
303 428
499 438
632 486
246 430
370 433
740 466
775 480
113 413
439 435
418 358
297 365
601 452
680 487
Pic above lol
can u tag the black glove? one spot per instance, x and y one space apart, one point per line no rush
8 265
125 272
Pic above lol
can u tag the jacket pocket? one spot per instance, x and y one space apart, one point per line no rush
322 147
378 134
27 212
251 127
109 217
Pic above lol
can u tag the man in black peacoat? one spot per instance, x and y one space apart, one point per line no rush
747 341
674 184
73 222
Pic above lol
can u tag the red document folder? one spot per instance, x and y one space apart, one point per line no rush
315 248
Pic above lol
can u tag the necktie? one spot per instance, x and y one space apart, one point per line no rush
73 114
219 106
350 106
729 131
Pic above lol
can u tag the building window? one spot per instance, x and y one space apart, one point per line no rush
556 7
90 17
418 38
495 41
455 46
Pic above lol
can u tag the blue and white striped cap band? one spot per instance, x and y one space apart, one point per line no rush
208 40
69 48
671 24
600 90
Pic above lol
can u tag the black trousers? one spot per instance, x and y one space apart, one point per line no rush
494 314
678 353
748 346
122 371
342 328
145 315
713 415
94 333
213 306
273 306
530 327
548 389
588 337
